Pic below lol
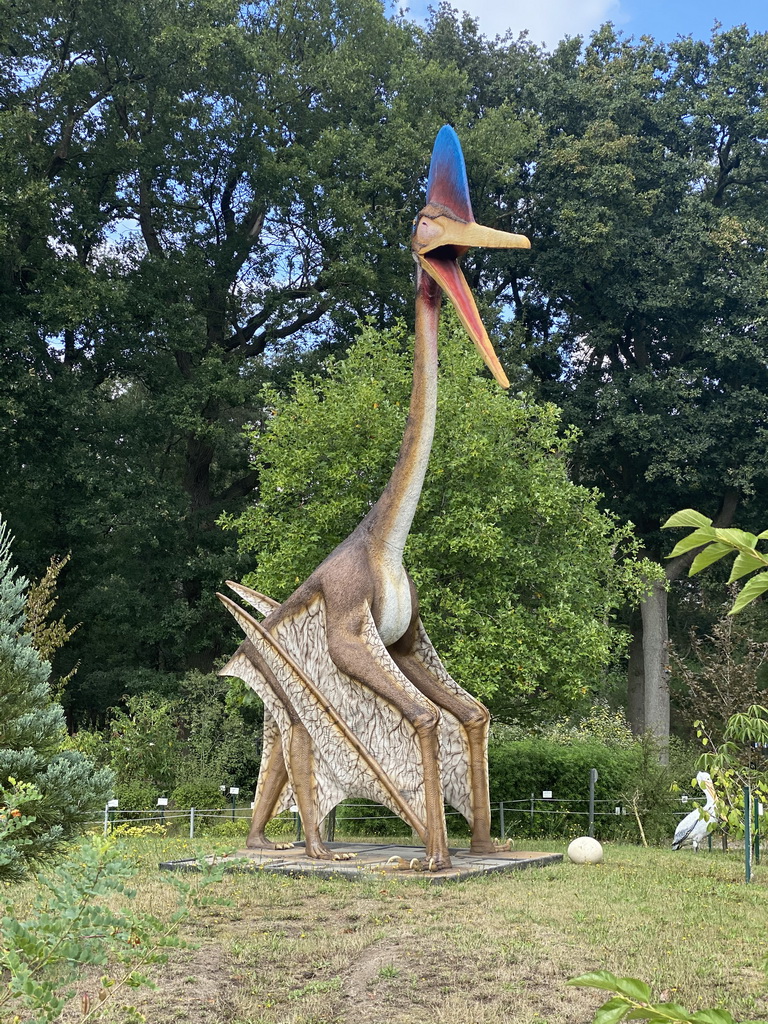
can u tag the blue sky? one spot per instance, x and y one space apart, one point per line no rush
548 21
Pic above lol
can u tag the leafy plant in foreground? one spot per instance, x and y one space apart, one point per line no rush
716 544
72 926
740 761
633 1000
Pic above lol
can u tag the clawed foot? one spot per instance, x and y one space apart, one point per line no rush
489 847
321 852
262 843
418 864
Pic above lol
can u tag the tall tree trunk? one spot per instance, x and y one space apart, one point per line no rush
648 668
656 667
636 678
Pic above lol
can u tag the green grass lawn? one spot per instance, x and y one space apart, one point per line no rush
392 951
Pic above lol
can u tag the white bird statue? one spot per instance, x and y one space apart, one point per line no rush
695 826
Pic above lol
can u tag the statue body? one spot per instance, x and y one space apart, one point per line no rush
357 701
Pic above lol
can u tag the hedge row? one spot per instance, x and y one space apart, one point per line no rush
519 769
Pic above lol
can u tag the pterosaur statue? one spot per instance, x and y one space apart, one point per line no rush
357 701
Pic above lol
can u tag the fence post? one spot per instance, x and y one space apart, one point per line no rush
106 819
533 797
191 822
747 837
502 826
593 777
756 830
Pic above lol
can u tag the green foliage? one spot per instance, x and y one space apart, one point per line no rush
739 761
57 785
721 671
72 925
266 219
716 544
184 190
651 799
183 748
48 635
633 1000
519 768
518 570
136 795
201 793
144 742
629 775
600 723
221 723
18 798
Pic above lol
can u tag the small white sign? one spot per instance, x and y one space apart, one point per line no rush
162 801
234 790
684 798
617 810
253 804
547 794
760 810
113 803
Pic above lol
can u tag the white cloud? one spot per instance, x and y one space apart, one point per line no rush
547 21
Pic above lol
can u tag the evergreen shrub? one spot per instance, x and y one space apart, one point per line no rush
32 736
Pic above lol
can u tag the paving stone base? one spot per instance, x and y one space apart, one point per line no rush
372 858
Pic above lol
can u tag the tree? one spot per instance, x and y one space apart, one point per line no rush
518 570
63 783
192 191
642 312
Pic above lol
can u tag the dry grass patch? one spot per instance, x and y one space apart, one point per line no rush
389 951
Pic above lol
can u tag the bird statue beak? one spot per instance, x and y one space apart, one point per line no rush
444 231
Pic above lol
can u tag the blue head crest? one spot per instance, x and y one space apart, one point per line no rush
447 184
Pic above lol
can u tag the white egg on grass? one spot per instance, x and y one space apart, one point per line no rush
585 850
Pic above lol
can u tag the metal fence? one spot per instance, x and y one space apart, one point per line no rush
527 814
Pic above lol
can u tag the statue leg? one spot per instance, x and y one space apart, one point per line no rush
359 653
298 767
273 779
474 719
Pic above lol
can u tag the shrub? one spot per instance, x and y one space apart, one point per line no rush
71 925
137 796
520 768
201 793
366 818
225 828
32 733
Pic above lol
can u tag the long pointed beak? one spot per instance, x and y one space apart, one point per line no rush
447 273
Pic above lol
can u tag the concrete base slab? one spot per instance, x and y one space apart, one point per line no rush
383 859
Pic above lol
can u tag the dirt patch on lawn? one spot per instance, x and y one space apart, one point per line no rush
200 985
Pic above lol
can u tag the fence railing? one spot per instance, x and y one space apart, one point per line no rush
370 817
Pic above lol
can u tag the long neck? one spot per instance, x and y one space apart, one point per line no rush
391 517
